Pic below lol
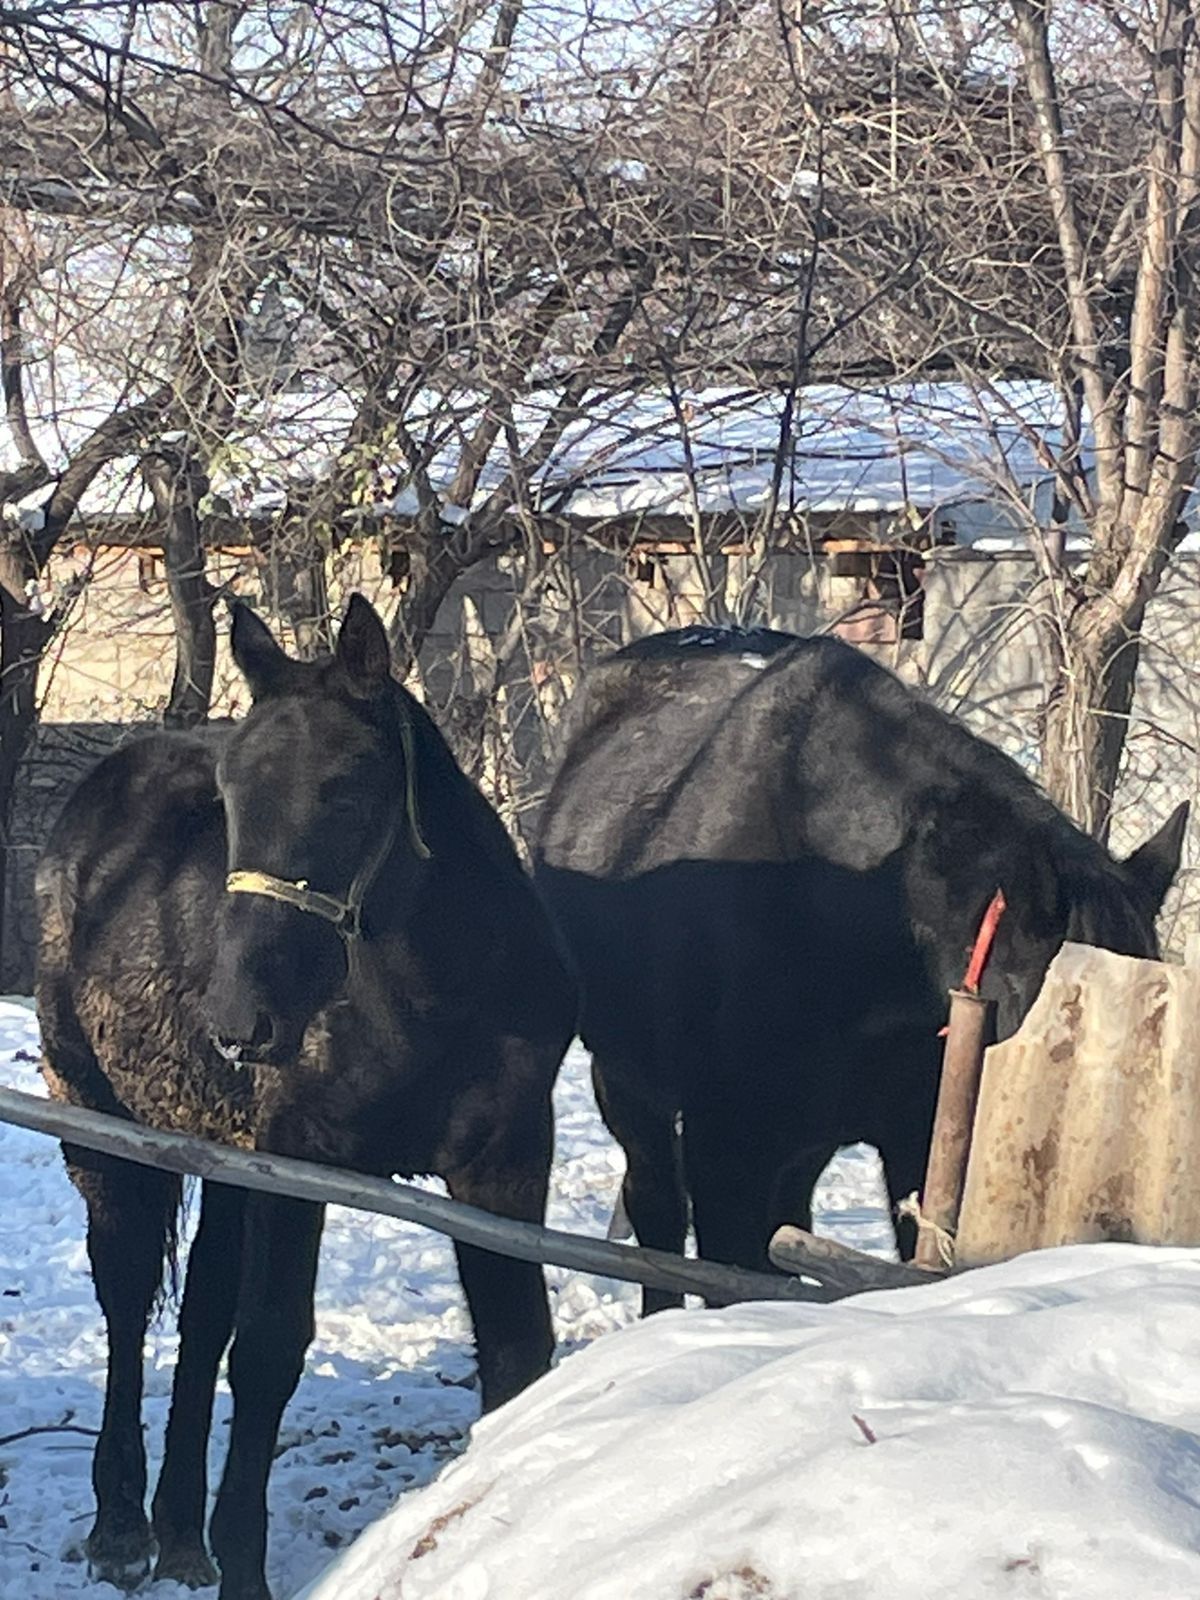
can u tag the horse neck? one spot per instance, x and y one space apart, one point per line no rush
948 898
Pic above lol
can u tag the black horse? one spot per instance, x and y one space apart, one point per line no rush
770 859
308 934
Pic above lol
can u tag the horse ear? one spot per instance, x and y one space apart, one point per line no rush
1155 863
363 652
260 660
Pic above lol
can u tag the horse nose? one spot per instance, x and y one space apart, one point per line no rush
238 1025
260 1035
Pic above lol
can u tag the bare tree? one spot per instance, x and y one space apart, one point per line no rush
438 228
331 262
1142 404
26 624
1038 168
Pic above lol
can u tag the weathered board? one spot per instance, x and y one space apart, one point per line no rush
818 1269
1088 1121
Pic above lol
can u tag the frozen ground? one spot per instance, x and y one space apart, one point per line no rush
387 1396
1030 1432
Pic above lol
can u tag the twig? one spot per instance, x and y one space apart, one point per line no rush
47 1427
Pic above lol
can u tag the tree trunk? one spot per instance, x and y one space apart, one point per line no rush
176 483
298 588
430 580
23 558
1087 717
23 640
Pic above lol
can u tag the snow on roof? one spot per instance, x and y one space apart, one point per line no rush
291 438
874 450
865 450
1077 544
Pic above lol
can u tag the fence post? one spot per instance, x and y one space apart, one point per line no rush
953 1124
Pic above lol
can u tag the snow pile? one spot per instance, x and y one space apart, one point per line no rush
1028 1430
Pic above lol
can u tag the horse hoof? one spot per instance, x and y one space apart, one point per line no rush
122 1559
240 1591
188 1564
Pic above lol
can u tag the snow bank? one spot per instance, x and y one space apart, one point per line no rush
1028 1430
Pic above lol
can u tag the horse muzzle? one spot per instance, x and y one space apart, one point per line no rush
244 1033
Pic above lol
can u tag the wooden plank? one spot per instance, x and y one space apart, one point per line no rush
841 1268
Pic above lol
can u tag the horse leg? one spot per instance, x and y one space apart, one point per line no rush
730 1185
653 1192
205 1323
274 1327
509 1176
131 1216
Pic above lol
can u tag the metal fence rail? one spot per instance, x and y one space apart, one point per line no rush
831 1273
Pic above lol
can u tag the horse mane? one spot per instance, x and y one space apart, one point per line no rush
705 638
1100 904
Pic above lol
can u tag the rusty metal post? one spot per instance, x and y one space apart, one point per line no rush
954 1120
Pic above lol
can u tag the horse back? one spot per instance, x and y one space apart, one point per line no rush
127 891
142 816
706 746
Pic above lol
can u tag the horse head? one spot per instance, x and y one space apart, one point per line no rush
1074 889
318 784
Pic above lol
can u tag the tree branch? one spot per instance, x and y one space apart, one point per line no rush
1032 26
120 434
12 369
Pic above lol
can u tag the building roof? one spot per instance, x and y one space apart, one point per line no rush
925 446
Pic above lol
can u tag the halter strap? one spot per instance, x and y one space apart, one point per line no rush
345 915
420 849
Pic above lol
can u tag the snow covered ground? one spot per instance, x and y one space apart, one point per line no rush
1030 1431
387 1396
